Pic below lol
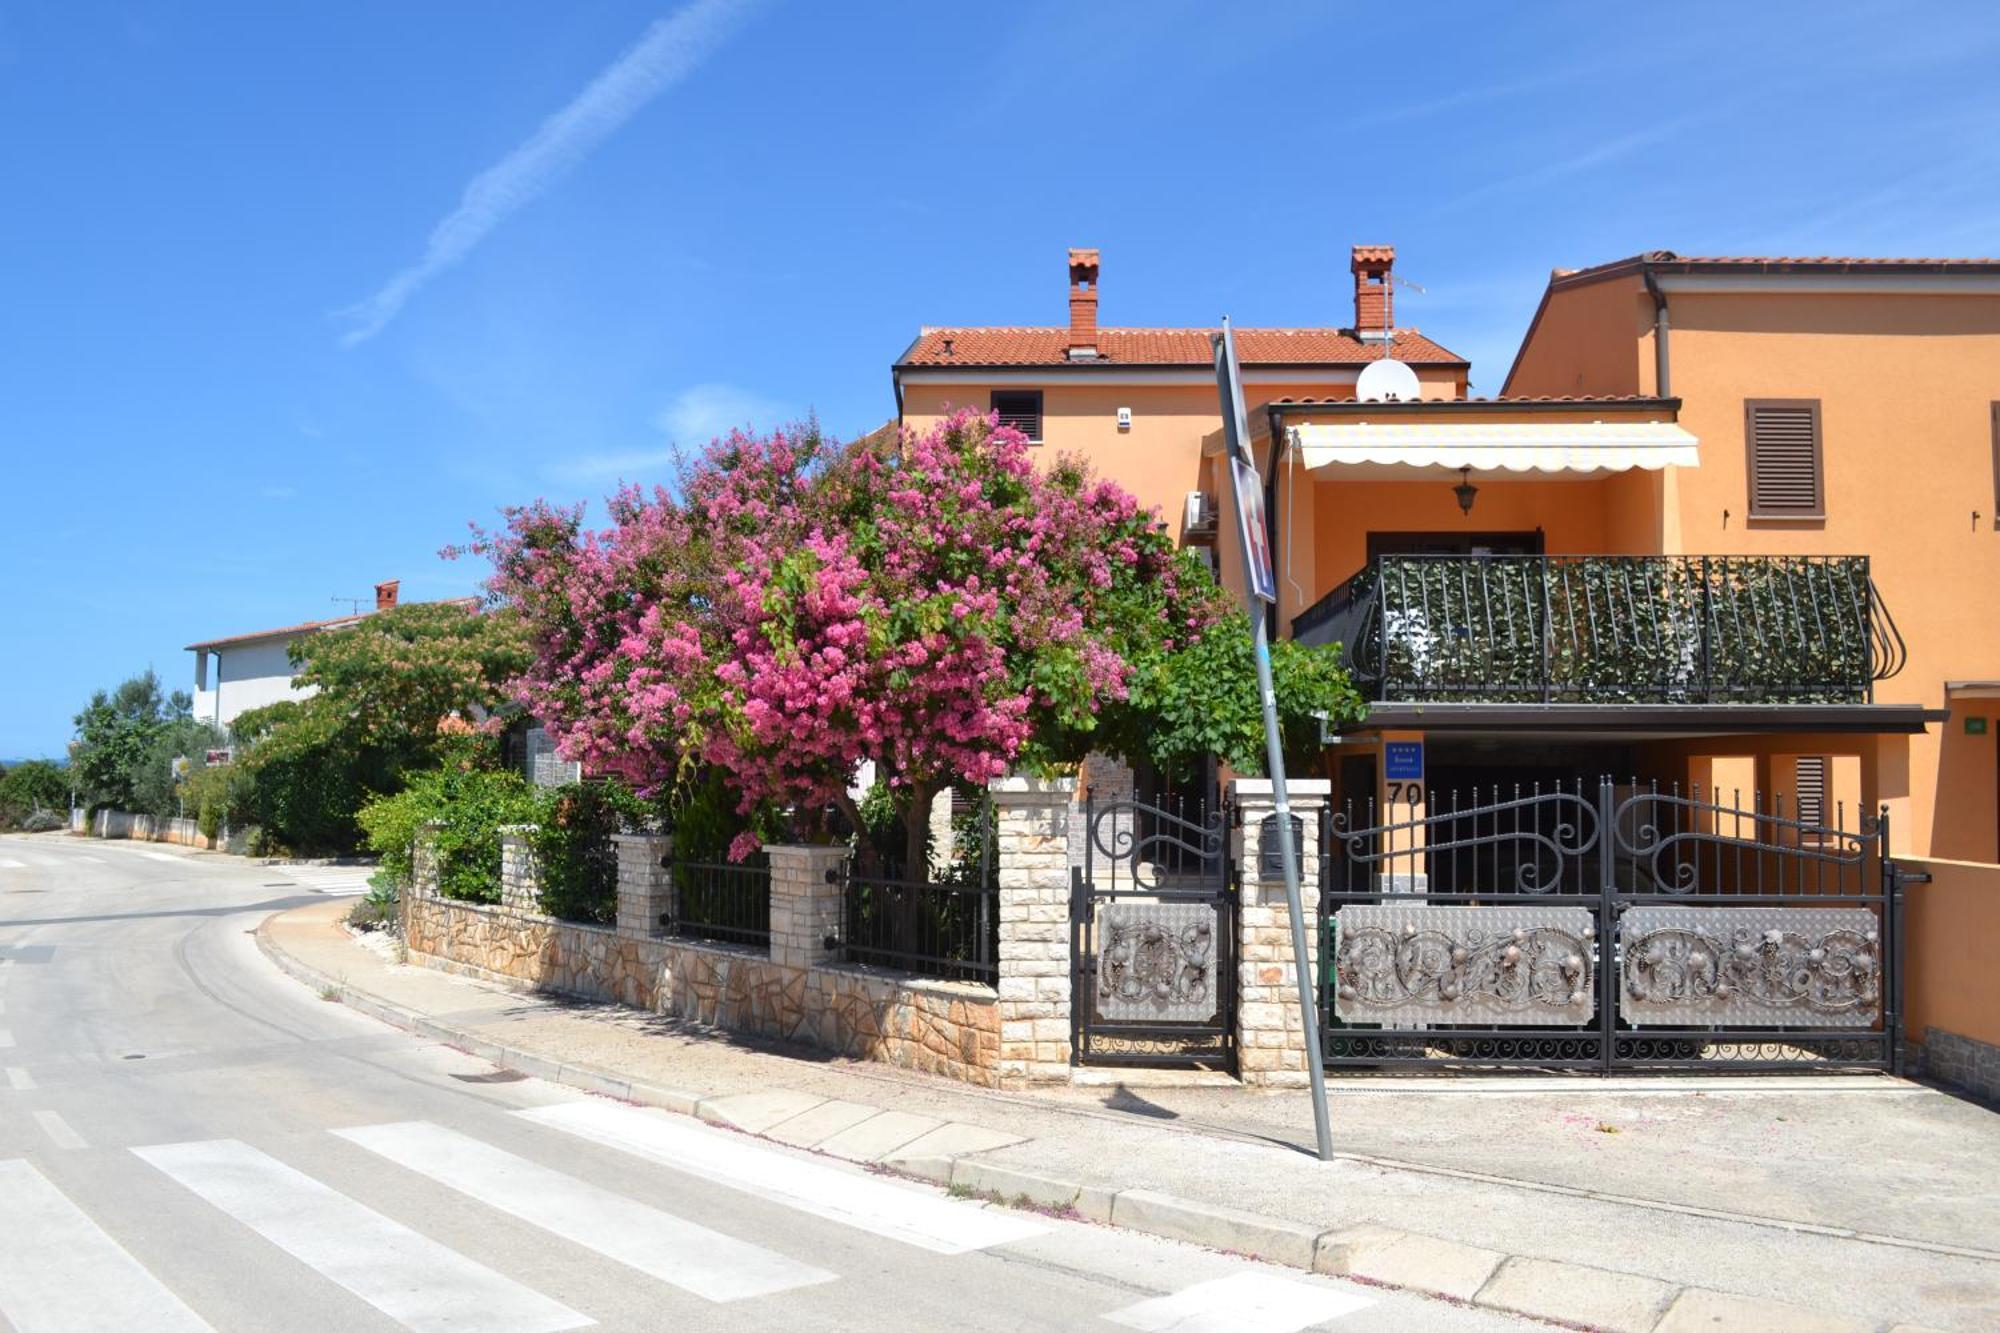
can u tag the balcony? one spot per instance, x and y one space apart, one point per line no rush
1610 629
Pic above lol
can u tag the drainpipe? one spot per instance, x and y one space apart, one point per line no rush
1663 387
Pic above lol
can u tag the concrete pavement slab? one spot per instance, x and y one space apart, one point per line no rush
1699 1311
756 1112
816 1124
879 1136
1614 1302
956 1139
1422 1263
1217 1227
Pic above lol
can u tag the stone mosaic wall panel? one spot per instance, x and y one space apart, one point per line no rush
1750 967
1156 962
938 1027
1401 964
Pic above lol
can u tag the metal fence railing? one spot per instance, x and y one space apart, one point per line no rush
730 904
947 931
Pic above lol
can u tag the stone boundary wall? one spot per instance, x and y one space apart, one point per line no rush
142 828
936 1027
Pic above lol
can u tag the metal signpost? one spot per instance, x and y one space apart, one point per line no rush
1261 587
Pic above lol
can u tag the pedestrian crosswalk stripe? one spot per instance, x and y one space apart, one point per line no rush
334 881
414 1280
20 1080
1241 1303
58 1130
672 1249
13 865
59 1272
162 856
943 1226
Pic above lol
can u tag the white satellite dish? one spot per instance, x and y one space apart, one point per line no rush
1387 381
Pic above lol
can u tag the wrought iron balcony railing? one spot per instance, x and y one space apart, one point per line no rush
1610 629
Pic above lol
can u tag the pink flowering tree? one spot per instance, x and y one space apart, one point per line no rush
936 604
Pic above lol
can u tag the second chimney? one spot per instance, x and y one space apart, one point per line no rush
1374 315
1082 305
385 594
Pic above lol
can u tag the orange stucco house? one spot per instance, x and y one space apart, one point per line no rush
1717 561
1821 431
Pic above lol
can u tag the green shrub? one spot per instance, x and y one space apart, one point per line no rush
573 848
468 807
31 786
376 909
44 821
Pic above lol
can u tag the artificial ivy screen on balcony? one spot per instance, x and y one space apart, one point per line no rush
1615 629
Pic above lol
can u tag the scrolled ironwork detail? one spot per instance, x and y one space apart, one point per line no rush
1406 964
1157 961
1747 966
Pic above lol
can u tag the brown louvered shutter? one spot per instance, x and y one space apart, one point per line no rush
1785 458
1810 781
1021 410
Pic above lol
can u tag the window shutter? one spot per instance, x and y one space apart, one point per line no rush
1021 411
1785 459
1810 782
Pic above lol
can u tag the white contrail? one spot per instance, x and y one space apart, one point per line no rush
671 49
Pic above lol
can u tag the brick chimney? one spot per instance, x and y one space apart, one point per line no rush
1374 314
1082 305
385 594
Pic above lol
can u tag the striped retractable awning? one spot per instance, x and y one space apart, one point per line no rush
1584 446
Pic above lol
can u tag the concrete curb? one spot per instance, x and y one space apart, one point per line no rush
1570 1295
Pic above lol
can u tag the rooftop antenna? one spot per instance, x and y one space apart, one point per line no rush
353 604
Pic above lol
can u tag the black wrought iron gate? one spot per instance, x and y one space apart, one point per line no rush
1153 937
1610 927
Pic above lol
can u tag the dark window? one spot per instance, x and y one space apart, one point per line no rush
1020 409
1811 784
1786 458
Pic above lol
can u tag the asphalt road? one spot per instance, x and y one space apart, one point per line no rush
190 1140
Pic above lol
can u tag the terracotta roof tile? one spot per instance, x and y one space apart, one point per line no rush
313 626
1164 347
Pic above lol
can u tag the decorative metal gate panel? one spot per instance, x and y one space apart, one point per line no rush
1153 935
1609 927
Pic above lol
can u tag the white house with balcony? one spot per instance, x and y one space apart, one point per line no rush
245 671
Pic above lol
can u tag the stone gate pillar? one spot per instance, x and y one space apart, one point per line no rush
1270 1035
1031 834
645 883
805 908
520 872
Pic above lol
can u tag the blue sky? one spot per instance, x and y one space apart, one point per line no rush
293 292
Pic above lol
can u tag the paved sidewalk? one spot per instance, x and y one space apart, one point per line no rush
1714 1204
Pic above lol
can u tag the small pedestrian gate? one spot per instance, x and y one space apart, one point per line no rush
1610 927
1153 937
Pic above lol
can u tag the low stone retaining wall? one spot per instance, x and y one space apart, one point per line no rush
937 1027
142 828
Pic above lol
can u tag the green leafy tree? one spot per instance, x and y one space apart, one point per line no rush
117 736
1201 700
388 690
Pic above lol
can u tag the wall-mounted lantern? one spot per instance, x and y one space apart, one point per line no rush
1465 490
